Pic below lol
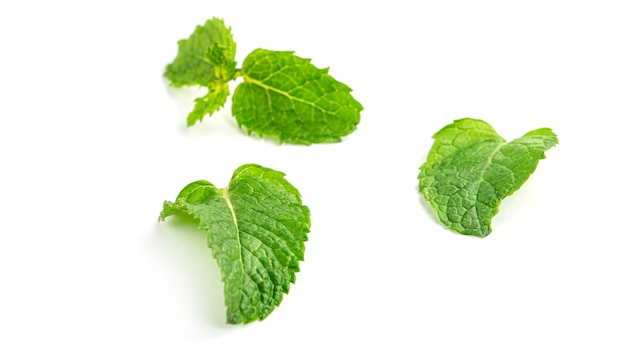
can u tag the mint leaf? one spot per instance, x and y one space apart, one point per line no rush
287 97
210 103
256 229
470 169
192 65
206 58
282 95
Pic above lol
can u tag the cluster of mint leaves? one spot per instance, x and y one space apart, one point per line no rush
282 95
257 226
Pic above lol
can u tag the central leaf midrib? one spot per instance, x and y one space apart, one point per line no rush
248 79
226 196
481 178
490 160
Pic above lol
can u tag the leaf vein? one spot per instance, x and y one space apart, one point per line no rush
286 94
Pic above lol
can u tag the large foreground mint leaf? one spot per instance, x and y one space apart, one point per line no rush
470 169
287 97
256 229
206 58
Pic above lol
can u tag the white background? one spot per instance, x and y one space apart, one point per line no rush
93 140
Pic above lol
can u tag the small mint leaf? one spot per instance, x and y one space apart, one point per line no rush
218 54
210 103
191 65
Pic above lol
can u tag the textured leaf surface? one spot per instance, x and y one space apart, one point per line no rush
287 97
206 58
470 169
256 230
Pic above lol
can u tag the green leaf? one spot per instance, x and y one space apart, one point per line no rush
287 97
256 230
192 65
210 103
206 58
470 169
